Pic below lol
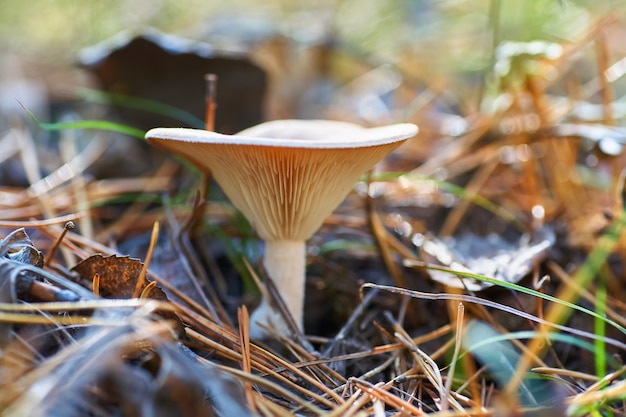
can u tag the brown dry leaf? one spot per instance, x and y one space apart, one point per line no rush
133 66
492 256
118 276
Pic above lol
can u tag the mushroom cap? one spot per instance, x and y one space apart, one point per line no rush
286 176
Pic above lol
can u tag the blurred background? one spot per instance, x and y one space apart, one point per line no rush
448 45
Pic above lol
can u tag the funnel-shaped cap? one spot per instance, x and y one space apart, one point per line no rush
286 176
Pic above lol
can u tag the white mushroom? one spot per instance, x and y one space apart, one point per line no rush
286 177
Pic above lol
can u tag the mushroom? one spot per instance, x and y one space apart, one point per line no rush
286 177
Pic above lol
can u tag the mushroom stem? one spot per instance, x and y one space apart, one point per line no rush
285 262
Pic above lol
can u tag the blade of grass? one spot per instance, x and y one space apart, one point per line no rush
599 327
492 304
513 287
88 124
455 356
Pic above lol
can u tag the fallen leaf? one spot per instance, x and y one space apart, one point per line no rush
491 256
169 70
118 276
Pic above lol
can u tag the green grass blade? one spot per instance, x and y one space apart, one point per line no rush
519 288
600 327
89 124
